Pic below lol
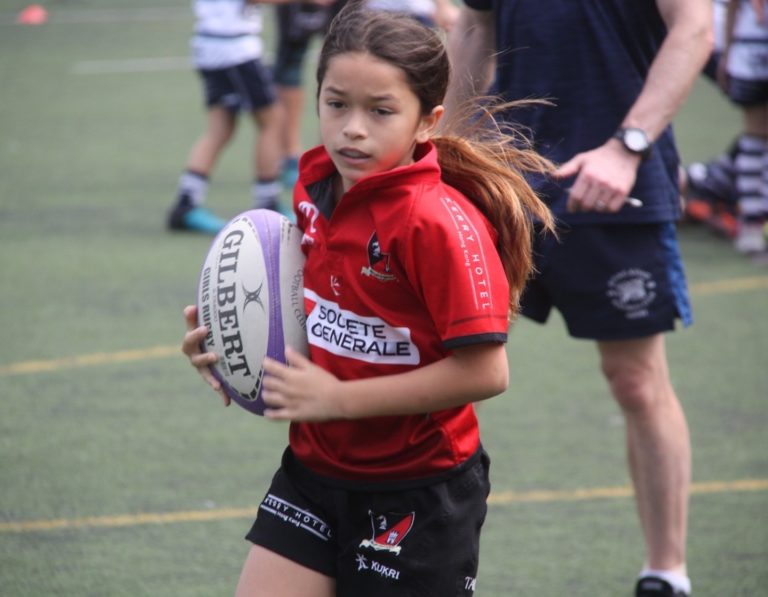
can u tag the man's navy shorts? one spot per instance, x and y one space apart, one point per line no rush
416 540
610 282
247 86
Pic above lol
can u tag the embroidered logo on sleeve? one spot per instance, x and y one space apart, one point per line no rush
468 239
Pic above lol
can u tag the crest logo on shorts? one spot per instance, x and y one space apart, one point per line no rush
631 291
388 531
378 262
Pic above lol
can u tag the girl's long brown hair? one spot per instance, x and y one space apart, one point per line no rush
488 162
480 156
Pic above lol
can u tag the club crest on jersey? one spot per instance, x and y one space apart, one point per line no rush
388 531
378 262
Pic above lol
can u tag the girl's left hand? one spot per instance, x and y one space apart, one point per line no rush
299 391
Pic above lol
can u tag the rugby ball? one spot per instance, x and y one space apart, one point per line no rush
251 298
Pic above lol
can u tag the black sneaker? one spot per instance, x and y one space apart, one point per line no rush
653 586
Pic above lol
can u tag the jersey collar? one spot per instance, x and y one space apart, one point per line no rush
316 165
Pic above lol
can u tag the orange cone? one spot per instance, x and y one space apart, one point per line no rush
34 14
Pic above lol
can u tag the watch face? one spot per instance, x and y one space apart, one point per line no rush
635 140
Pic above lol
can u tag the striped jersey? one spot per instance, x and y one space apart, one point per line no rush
227 32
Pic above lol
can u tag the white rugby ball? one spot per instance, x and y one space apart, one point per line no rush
251 298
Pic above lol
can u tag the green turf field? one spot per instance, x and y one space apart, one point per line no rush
121 475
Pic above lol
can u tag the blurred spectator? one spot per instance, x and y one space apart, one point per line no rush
297 24
226 50
730 193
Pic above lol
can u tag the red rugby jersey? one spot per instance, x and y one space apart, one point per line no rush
405 270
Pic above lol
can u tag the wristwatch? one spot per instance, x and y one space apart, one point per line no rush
635 140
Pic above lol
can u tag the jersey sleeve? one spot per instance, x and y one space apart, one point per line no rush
453 265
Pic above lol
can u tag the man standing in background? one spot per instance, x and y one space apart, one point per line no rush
616 73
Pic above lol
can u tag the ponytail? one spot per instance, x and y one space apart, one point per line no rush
488 165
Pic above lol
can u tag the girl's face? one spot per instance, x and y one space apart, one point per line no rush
370 120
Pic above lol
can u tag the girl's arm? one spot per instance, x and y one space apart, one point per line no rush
306 392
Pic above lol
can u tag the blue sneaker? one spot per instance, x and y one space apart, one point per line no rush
290 173
278 207
195 219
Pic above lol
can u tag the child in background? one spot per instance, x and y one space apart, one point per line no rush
738 179
297 23
744 76
435 13
417 249
227 50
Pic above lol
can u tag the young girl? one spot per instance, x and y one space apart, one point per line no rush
417 251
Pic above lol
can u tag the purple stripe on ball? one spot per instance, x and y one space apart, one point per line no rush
268 227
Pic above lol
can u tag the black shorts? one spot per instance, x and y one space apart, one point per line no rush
747 93
297 24
612 282
418 541
247 86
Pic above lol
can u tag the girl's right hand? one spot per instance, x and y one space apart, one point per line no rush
201 361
